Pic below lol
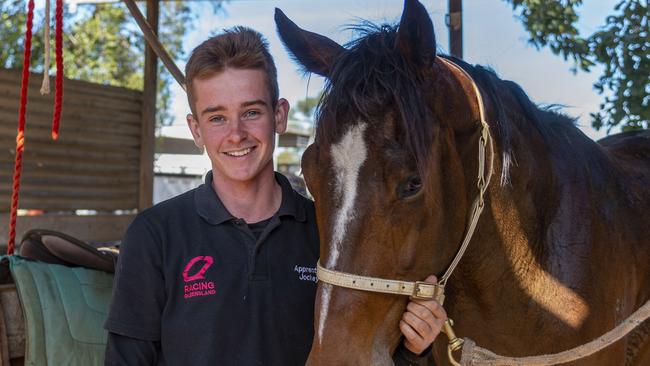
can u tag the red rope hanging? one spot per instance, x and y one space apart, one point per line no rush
58 97
20 137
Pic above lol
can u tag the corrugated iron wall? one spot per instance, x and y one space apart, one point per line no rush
94 164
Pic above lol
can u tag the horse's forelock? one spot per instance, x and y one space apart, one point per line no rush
368 80
372 77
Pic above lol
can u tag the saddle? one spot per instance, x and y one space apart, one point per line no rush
54 247
61 314
64 286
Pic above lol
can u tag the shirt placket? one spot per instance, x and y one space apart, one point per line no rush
253 245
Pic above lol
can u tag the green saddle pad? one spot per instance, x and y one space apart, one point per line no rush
65 309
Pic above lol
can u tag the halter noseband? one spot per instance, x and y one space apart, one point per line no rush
418 289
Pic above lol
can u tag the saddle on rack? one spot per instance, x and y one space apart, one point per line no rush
64 309
64 286
54 247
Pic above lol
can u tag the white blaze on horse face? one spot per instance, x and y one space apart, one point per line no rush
347 156
324 308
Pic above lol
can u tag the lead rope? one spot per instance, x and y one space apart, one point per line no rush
474 355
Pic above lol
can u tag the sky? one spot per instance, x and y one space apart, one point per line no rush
492 36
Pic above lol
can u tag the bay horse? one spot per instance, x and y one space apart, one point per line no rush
561 253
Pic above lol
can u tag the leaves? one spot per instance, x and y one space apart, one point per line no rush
305 109
621 46
102 44
100 48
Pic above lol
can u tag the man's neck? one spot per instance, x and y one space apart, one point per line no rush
252 201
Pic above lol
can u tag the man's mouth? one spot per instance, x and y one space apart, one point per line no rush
240 153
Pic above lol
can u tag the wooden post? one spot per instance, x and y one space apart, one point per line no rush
455 23
153 41
147 142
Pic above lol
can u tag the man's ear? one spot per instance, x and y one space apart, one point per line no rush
193 124
281 115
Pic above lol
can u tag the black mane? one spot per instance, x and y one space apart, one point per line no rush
570 150
372 78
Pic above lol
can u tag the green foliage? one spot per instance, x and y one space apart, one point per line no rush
102 44
101 48
305 108
621 46
176 19
13 15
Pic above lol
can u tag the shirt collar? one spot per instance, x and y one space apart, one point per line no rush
293 204
211 209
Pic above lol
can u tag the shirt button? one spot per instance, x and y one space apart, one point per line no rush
238 221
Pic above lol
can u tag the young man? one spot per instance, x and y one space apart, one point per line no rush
223 274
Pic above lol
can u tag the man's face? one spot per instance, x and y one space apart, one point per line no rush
236 123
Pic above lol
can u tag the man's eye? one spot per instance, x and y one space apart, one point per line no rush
217 119
251 114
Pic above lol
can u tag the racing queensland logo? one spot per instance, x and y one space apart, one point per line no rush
194 277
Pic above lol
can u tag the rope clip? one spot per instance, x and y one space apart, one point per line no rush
455 343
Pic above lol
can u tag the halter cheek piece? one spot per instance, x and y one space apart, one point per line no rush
423 290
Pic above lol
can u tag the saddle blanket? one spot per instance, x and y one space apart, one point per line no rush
64 309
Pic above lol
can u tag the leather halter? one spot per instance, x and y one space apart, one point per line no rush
418 289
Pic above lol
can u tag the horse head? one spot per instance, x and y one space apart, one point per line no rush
395 135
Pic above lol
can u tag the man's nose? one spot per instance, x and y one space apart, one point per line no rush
237 131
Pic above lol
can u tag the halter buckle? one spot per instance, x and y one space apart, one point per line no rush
423 290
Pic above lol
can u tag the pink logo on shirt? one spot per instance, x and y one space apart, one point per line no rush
200 274
202 288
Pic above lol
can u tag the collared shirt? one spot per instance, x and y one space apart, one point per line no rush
200 285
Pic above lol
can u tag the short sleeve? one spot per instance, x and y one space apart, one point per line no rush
139 289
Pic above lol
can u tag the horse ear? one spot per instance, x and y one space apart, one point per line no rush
415 37
315 52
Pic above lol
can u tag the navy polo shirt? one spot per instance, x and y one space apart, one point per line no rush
198 281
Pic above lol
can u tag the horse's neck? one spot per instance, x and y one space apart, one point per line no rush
535 239
550 265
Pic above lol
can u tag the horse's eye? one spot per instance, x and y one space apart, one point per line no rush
409 187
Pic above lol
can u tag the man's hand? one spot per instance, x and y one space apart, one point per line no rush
422 322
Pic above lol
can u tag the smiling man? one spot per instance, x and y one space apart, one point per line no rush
236 120
225 273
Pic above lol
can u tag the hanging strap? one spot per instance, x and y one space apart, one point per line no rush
484 177
45 86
